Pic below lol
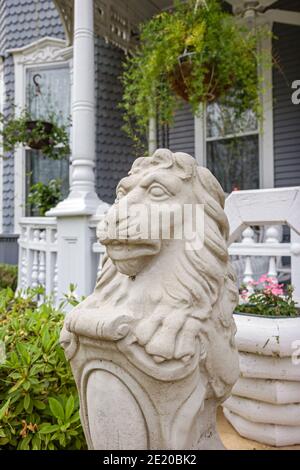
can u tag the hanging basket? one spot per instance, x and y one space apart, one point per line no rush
182 75
46 128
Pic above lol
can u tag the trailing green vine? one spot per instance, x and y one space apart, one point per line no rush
205 48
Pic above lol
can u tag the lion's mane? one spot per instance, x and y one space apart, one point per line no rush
202 280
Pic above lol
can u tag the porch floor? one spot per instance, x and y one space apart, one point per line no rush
233 441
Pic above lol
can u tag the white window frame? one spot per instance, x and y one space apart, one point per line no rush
265 131
2 97
46 52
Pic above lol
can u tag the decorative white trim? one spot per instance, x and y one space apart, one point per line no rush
43 53
2 96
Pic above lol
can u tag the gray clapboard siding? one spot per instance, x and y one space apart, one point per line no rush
286 114
180 137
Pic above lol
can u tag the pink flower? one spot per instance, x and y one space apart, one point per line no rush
273 290
244 294
277 291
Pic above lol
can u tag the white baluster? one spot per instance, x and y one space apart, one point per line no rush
35 261
24 261
42 263
55 274
272 236
248 238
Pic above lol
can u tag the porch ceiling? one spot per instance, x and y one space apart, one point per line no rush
115 20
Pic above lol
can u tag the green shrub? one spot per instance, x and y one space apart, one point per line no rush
39 403
42 197
8 276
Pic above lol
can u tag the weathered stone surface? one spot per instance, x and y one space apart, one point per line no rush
152 349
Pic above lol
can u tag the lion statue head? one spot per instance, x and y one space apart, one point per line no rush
179 292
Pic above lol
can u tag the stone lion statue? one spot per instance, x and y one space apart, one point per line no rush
165 302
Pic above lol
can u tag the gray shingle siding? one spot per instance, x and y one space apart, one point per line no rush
114 149
286 114
8 162
2 25
23 21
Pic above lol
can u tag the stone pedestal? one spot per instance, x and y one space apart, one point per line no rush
152 349
130 402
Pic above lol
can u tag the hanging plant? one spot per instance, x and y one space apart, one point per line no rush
48 136
196 52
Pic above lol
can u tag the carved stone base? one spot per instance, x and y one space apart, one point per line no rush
122 407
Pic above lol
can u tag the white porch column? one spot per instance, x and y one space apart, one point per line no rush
75 259
152 136
82 198
295 265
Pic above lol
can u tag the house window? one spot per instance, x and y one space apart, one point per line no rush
232 147
47 93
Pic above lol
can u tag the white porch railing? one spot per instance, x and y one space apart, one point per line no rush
54 254
256 220
260 252
38 254
97 248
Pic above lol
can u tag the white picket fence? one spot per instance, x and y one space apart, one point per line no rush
38 254
51 253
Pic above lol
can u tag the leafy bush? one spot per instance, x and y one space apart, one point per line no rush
42 197
8 276
39 401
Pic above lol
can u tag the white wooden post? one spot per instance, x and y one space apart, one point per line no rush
152 144
266 131
295 265
200 135
74 237
82 198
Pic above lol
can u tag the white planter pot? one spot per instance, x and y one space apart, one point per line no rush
265 402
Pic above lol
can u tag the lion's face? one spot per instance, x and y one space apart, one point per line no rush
147 210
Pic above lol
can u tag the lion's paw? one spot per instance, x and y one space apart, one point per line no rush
168 336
